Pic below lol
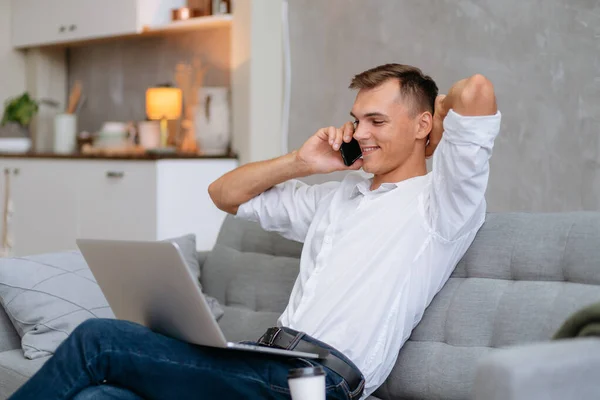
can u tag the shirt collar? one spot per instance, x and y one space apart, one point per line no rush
364 187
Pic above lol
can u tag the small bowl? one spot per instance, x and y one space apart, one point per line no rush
15 145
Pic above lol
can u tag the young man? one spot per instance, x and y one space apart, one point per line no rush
375 252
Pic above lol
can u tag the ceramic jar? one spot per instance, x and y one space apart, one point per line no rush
212 120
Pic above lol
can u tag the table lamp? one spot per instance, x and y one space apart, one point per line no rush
163 103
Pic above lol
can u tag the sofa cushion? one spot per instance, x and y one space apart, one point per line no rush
9 339
16 370
187 246
248 236
254 281
254 287
521 278
240 324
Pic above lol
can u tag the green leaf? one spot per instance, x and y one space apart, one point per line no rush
20 109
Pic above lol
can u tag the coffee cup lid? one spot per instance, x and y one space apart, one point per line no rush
305 372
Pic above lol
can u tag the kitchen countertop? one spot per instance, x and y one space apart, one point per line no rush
116 156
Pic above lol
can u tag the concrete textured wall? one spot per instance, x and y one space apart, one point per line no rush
542 55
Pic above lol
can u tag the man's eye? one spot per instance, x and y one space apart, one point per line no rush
378 122
355 123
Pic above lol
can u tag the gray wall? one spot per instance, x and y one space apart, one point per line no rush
542 55
116 74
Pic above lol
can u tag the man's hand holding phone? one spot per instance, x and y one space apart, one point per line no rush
321 152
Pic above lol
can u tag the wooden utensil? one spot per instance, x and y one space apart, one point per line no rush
74 97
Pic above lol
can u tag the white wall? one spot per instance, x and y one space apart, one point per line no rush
41 72
12 62
257 79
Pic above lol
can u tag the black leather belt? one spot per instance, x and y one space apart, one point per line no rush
292 340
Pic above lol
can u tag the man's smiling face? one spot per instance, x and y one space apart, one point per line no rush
386 126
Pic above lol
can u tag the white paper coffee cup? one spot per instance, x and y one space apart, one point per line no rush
307 383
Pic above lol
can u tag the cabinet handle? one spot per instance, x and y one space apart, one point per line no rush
115 174
16 171
72 27
62 28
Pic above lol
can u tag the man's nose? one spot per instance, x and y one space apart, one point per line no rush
361 133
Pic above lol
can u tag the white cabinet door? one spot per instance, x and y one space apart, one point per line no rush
117 200
39 22
44 196
35 22
101 18
43 22
184 205
5 174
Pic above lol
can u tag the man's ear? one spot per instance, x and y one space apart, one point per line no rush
425 124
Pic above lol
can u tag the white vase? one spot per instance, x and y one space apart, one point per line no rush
212 120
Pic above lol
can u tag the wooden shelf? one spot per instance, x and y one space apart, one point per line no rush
192 24
134 156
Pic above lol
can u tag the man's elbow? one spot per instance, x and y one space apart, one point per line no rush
478 96
212 192
216 195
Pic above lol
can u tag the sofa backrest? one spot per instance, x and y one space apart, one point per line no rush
251 272
520 279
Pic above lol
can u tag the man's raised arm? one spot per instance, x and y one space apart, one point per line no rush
469 119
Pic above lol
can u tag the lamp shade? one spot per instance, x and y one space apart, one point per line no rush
163 102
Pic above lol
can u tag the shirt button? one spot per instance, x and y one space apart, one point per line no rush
327 239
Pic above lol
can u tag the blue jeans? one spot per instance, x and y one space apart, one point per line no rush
119 360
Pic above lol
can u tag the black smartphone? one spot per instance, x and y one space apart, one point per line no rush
350 152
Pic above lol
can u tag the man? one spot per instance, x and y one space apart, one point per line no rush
375 252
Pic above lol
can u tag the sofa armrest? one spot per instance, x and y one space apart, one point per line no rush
562 369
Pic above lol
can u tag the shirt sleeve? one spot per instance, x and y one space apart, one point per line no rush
460 174
287 208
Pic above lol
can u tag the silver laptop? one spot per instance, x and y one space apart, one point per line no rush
150 283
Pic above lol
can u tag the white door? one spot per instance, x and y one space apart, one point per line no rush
117 200
39 22
5 176
102 18
35 22
44 197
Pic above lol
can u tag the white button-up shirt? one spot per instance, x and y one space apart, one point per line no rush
373 260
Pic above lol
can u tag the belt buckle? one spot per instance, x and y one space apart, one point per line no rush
270 335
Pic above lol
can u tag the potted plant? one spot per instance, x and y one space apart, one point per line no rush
15 136
18 113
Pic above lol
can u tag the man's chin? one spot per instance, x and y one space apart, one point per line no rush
367 167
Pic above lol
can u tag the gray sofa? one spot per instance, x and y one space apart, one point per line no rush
484 336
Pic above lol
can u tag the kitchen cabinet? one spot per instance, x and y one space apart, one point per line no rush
56 201
45 22
44 203
125 194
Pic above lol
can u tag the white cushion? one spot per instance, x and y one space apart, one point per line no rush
47 296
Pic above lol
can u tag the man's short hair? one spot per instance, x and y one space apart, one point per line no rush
415 86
